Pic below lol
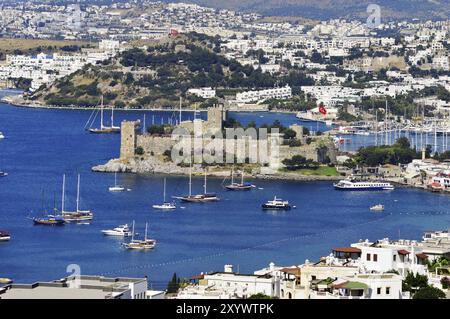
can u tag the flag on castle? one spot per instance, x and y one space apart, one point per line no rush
322 109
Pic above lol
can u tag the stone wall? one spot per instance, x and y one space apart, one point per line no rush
128 140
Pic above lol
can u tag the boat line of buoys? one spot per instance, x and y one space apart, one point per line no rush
236 251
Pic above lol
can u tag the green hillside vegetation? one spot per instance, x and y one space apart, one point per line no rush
158 75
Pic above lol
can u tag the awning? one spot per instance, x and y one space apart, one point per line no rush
347 250
293 271
403 252
197 277
421 256
352 285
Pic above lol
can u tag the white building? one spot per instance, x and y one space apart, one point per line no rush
259 96
79 287
206 92
230 285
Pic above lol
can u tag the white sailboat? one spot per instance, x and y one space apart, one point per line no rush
140 244
116 188
103 128
78 215
165 205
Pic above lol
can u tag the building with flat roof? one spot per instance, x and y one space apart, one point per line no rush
79 287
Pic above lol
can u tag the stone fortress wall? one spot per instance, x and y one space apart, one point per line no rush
154 145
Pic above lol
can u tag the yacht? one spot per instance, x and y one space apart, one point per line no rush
377 208
144 244
116 188
104 128
122 230
4 235
165 205
354 185
3 174
1 135
242 186
49 220
78 215
276 204
198 198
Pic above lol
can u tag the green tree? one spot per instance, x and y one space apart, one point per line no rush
429 292
174 284
261 296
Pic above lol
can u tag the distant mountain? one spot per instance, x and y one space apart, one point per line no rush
312 9
326 9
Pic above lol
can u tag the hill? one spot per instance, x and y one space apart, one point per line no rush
326 9
156 76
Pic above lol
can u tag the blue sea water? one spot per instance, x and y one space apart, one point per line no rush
43 144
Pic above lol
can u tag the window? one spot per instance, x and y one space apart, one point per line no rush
388 290
378 291
375 257
368 257
395 257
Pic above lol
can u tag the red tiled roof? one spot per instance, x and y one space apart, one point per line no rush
294 271
197 277
347 250
421 256
403 252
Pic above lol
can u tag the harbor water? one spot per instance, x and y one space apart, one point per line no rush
41 145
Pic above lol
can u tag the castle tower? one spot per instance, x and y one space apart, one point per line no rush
298 129
128 139
216 116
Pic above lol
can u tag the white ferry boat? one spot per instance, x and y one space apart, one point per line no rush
354 185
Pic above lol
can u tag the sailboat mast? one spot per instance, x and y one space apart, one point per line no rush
115 179
180 111
242 178
78 193
204 185
164 190
232 175
63 193
145 237
190 180
132 233
112 115
101 114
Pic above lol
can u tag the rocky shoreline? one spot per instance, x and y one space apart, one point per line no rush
19 101
169 168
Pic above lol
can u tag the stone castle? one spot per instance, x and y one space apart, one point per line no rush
156 145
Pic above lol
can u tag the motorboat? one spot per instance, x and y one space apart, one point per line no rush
355 185
122 230
276 204
4 235
377 208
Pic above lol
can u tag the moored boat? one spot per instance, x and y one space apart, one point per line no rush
77 215
116 188
138 244
4 235
276 204
103 128
122 230
198 198
242 186
377 208
165 205
49 220
355 185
